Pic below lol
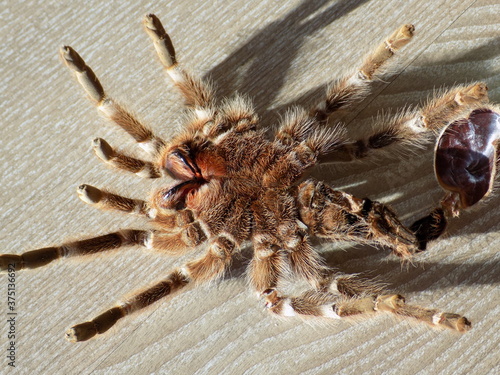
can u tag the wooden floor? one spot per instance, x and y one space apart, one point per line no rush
278 53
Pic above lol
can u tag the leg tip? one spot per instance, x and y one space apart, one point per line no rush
72 59
89 194
455 322
81 332
163 44
153 25
480 91
10 262
102 149
401 37
149 21
473 94
463 324
65 52
408 30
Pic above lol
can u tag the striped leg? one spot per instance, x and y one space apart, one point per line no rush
348 296
108 201
335 215
197 93
208 267
414 127
41 257
112 110
124 162
267 267
355 87
271 262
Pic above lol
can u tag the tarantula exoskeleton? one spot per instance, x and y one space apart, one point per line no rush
234 185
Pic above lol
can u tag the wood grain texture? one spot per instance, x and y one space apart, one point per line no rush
278 53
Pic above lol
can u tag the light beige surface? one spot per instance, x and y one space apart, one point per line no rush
278 53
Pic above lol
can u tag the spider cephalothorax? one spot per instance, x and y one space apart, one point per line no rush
233 184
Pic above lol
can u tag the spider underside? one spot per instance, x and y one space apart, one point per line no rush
233 185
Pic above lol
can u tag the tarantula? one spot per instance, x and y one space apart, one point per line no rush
233 185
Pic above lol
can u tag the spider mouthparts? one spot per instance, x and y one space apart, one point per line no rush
175 197
181 165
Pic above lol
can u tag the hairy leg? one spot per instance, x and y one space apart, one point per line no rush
124 162
41 257
347 297
208 267
413 127
106 105
105 200
354 87
197 93
336 215
233 115
268 264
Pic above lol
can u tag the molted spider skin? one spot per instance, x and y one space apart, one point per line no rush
466 155
233 185
465 164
